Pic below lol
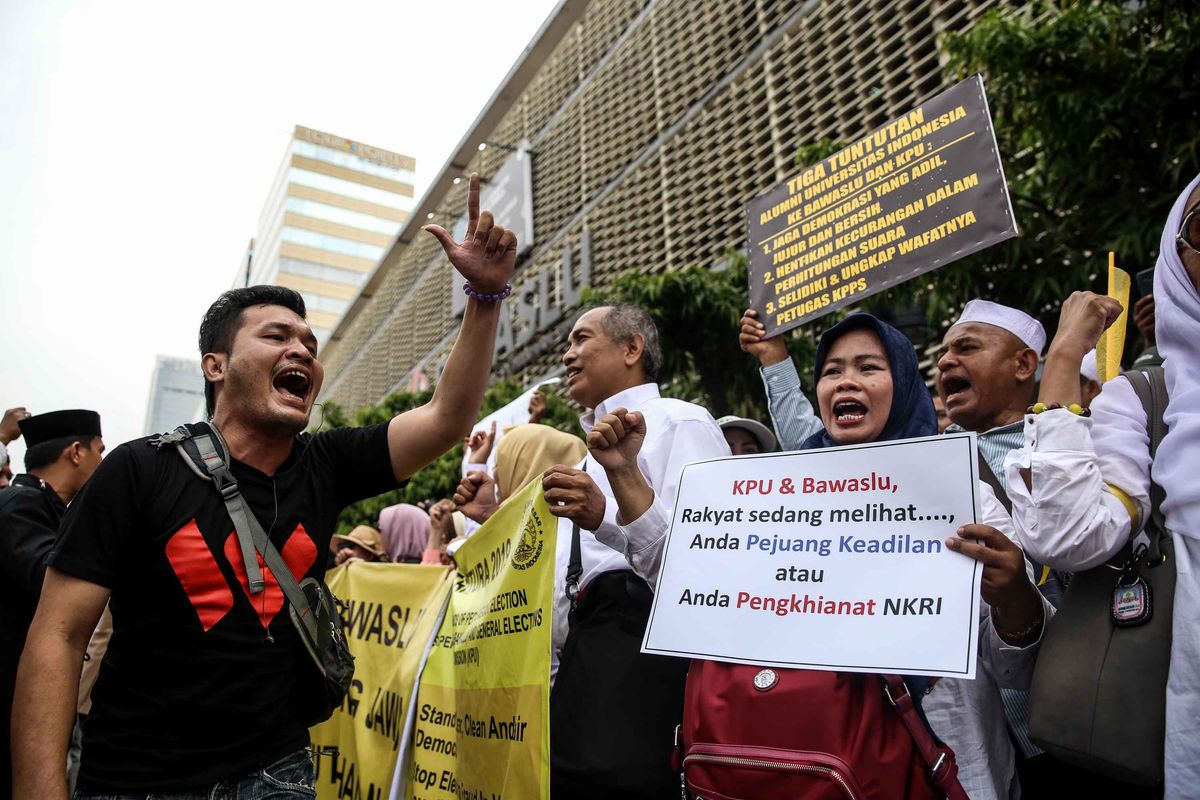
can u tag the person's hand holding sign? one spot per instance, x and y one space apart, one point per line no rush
487 253
614 442
751 339
1017 611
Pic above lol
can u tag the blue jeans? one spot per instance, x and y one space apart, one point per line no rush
289 778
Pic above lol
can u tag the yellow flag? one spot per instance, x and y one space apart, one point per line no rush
1112 342
483 701
390 614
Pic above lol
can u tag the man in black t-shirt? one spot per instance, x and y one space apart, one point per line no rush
63 448
205 683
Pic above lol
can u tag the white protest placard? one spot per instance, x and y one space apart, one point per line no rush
829 559
516 412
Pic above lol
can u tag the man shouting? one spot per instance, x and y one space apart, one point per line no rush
206 689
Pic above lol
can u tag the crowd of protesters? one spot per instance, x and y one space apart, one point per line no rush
129 564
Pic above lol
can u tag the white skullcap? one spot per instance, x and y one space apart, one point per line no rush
1087 367
1016 322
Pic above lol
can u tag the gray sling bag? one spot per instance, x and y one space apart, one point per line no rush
311 606
1098 697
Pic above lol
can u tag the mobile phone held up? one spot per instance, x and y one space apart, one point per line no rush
1145 282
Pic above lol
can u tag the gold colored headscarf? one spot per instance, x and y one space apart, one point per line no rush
526 451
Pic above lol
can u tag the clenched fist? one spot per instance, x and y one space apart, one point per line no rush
475 496
616 439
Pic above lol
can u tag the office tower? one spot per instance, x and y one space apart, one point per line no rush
176 390
332 212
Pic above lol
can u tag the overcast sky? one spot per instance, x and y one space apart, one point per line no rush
138 141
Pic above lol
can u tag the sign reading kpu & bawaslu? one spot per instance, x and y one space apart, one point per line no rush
830 559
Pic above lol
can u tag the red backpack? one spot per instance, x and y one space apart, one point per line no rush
757 733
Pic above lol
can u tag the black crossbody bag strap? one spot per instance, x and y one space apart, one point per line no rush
574 572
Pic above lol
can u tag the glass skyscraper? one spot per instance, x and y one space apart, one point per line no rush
333 210
176 394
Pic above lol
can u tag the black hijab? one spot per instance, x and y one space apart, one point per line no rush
912 413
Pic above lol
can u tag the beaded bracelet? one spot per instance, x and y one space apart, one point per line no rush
1074 408
1024 633
487 298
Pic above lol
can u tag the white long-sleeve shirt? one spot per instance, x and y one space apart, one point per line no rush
1070 519
969 715
677 433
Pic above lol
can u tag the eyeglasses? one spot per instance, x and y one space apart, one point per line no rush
1187 237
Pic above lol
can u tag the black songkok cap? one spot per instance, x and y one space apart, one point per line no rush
59 424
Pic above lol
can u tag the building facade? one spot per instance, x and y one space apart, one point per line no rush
333 210
176 391
646 125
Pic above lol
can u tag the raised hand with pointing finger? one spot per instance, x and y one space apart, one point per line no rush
487 253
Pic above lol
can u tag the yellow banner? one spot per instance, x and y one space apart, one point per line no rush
483 703
1112 341
391 611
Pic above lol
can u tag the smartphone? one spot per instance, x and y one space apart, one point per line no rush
1145 282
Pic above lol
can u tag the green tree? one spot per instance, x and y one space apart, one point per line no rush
698 311
1095 110
437 480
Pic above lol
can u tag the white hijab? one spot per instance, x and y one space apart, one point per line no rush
1177 328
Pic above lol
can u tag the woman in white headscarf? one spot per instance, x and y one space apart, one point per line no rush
1079 486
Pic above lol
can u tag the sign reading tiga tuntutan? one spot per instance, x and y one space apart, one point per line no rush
920 192
481 727
829 559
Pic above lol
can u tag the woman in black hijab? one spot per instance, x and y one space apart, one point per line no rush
869 389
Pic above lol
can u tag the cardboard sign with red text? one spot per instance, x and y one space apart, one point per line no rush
829 559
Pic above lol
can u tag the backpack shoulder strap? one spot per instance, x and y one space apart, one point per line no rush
205 454
1150 385
987 476
940 760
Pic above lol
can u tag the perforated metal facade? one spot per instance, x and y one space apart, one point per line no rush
652 122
